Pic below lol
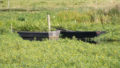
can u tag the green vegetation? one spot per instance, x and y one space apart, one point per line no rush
48 4
76 15
78 20
63 53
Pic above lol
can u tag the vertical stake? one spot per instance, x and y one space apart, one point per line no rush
11 28
49 24
8 4
96 4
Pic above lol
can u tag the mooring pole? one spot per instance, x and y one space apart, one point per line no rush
96 4
11 28
49 24
8 4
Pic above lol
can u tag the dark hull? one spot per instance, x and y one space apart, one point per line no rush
63 34
81 34
34 35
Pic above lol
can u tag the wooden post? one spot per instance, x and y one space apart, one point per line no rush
11 28
96 4
8 4
49 24
112 1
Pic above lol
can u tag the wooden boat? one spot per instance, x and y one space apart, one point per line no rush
39 35
80 35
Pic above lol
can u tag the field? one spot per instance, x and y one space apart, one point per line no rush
79 15
50 4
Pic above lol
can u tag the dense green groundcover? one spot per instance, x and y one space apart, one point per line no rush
36 4
63 53
70 19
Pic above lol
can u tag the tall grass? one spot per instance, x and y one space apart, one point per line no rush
90 20
16 53
37 4
63 53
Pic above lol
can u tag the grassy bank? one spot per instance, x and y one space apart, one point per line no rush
77 20
37 4
63 53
